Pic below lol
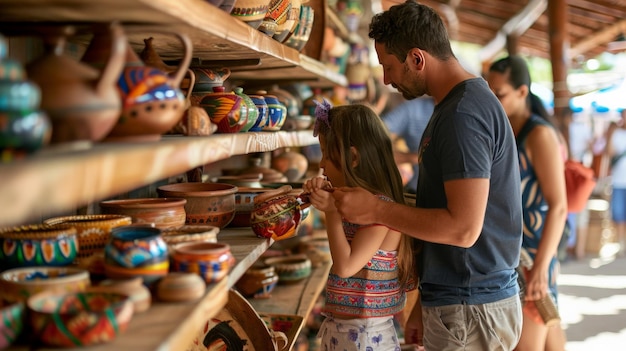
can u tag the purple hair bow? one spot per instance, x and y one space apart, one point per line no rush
321 115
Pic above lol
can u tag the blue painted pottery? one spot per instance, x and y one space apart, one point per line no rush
38 245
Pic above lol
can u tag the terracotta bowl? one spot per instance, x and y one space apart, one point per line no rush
180 286
12 323
93 231
258 281
212 261
78 319
207 203
18 284
165 213
190 233
291 268
38 245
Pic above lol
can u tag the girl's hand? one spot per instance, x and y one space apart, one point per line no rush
320 198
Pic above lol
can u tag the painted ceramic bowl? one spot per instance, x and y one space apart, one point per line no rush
78 319
212 261
277 214
93 231
165 213
136 251
12 323
291 268
18 284
207 203
244 205
38 245
258 281
190 233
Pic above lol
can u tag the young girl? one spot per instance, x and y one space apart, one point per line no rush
372 264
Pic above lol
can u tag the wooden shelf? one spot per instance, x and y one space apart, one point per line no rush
214 33
64 177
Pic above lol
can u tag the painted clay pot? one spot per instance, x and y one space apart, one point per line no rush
250 12
226 109
263 112
292 164
277 214
18 284
252 112
258 281
212 261
12 317
285 30
93 231
206 79
291 268
165 213
276 15
78 319
38 245
152 101
207 203
277 112
82 102
136 251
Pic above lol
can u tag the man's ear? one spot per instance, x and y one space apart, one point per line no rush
355 156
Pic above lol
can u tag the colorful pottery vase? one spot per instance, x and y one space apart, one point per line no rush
38 245
136 251
250 12
252 112
277 214
78 319
226 109
152 101
82 102
263 112
277 112
212 261
93 231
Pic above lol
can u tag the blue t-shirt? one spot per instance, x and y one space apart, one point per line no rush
469 136
408 121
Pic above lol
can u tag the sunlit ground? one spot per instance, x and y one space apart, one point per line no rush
592 302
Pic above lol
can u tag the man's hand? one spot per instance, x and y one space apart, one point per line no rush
356 205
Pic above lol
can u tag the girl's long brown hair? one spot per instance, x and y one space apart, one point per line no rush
376 171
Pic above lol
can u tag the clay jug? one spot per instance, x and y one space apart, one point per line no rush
152 102
226 109
82 102
278 213
252 113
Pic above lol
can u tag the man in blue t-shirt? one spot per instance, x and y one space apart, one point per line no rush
407 122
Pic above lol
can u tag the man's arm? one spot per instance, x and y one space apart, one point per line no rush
460 224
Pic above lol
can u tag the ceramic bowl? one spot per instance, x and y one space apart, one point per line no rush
132 287
212 261
291 268
276 214
12 318
180 286
18 284
38 245
78 319
136 251
243 180
258 281
93 231
190 233
165 213
207 203
244 205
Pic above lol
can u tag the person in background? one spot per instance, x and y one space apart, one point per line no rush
616 152
544 197
372 264
407 121
468 215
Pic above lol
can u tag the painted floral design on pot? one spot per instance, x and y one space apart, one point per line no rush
38 245
277 214
212 261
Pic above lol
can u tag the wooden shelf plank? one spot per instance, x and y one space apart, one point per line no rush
214 33
57 179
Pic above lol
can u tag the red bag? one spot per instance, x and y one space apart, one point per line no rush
579 182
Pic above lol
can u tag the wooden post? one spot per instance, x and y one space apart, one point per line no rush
559 47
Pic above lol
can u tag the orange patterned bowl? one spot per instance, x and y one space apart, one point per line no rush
18 284
165 213
93 230
212 261
78 319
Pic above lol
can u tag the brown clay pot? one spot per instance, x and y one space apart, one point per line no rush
165 213
258 281
292 164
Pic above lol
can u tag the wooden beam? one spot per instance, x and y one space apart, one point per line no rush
602 37
517 25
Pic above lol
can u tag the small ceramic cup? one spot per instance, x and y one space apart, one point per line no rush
212 261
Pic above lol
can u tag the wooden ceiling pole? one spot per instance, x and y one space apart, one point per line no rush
559 47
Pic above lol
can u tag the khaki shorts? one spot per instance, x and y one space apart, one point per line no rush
493 326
